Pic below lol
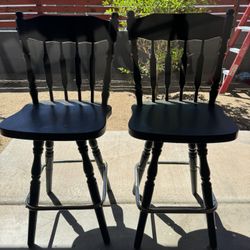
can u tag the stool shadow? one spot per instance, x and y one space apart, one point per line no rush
122 237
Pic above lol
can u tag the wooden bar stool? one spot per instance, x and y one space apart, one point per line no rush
178 121
64 120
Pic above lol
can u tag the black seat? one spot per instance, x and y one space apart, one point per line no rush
178 121
184 122
64 120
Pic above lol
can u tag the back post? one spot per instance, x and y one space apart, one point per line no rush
114 22
30 73
217 75
134 56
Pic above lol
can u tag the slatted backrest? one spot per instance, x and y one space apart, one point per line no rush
185 27
61 29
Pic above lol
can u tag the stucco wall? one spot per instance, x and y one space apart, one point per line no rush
12 65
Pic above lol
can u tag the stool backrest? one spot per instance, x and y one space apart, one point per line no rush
181 27
72 29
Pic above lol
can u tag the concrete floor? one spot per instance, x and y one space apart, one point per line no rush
230 175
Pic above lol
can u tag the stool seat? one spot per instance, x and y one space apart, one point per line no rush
181 122
57 121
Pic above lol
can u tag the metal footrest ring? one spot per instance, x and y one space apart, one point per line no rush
169 209
72 207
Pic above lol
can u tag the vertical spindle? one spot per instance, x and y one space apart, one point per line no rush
92 71
183 69
47 70
134 56
198 72
168 61
63 72
78 71
153 71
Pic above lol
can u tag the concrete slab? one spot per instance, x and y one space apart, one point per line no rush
230 170
229 163
79 229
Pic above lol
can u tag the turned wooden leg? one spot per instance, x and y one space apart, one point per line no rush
207 193
144 159
49 157
34 189
148 193
193 166
93 189
98 158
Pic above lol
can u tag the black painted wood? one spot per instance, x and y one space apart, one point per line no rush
134 54
47 70
153 71
136 73
30 73
99 159
170 27
198 73
97 155
207 193
107 75
63 120
193 166
184 122
93 189
109 58
179 121
144 158
63 29
180 26
49 157
171 122
92 72
148 192
217 75
63 70
183 70
78 71
57 121
168 62
34 189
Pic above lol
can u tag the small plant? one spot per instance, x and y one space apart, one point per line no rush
146 7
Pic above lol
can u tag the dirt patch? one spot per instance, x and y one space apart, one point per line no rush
236 105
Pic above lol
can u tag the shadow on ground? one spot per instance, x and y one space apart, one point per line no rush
239 113
122 237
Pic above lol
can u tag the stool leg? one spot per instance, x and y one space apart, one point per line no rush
34 189
49 157
193 166
98 158
148 193
207 193
93 189
144 159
